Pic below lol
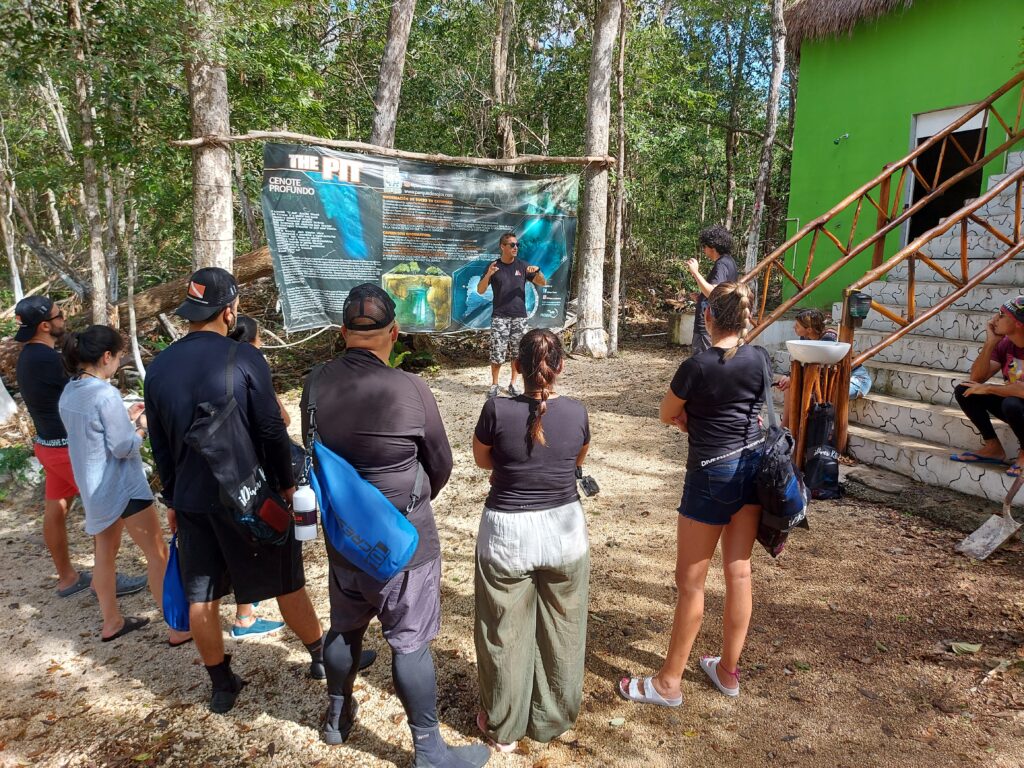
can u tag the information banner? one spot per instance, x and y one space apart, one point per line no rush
424 232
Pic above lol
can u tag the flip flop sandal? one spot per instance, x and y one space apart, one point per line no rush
131 623
481 723
629 689
970 457
710 666
84 580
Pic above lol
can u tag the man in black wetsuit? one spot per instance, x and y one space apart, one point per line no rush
716 242
386 424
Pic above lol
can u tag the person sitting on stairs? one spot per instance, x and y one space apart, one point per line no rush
1003 350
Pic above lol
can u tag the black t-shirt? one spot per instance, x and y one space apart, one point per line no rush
509 286
41 379
723 400
383 421
722 271
544 477
189 372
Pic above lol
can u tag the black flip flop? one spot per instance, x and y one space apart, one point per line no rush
131 623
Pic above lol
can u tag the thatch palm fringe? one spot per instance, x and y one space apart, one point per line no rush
815 19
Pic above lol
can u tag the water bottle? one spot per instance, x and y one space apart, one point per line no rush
304 511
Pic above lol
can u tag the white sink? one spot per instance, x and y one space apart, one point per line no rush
821 352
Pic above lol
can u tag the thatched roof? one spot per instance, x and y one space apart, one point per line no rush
815 19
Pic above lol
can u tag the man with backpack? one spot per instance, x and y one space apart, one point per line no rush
385 423
216 554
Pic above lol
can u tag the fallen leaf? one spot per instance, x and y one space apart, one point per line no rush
142 757
691 734
617 722
960 648
271 749
803 666
881 646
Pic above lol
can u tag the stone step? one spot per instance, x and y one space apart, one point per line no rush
926 385
961 324
927 351
1014 160
984 298
942 424
980 242
1008 274
928 462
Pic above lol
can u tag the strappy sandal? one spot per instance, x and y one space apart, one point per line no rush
629 689
710 666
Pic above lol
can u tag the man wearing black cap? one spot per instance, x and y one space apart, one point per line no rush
216 557
386 424
41 379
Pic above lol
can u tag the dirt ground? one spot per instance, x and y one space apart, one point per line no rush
848 661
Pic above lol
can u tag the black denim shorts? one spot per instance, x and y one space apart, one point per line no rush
713 494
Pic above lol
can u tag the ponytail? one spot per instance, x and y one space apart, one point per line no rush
88 346
246 330
730 311
540 361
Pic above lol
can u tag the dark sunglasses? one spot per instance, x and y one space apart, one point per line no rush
58 316
512 245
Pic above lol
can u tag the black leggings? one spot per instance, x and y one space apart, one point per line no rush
413 673
981 408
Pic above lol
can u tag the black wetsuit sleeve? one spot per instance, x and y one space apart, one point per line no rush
163 454
266 425
435 452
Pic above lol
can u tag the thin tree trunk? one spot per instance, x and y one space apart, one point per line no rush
501 80
213 234
589 337
620 184
771 126
55 225
128 244
731 135
7 222
90 184
243 198
392 65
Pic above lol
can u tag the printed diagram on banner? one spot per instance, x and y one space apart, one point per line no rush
424 232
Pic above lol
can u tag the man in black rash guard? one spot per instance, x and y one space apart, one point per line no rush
386 424
716 242
216 556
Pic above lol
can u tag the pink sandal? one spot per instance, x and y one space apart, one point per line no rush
481 723
710 666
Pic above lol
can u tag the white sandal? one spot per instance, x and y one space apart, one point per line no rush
649 695
710 666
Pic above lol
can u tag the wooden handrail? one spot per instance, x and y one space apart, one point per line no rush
887 221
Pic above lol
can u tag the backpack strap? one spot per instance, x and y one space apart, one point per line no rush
767 391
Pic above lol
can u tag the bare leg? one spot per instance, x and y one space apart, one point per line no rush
106 544
297 612
55 535
495 373
204 619
737 542
144 528
695 545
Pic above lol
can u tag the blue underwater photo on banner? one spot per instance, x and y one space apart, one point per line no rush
424 232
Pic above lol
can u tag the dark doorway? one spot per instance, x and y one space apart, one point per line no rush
952 163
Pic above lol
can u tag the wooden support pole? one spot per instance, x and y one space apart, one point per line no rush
796 382
810 383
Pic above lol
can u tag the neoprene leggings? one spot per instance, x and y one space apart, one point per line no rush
981 408
413 673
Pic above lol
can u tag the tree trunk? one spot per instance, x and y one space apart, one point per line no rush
771 126
55 225
212 208
7 235
589 336
90 184
732 136
243 198
501 80
392 65
128 247
620 185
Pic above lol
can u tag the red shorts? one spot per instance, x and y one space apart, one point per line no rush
60 481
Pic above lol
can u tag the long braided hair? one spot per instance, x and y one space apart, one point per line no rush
730 311
540 361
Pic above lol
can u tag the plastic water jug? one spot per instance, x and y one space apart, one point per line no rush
304 511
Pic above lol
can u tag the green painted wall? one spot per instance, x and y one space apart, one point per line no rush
936 55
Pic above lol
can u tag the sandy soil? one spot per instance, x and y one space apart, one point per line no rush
848 661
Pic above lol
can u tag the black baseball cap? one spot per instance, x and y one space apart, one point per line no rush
30 312
368 307
209 290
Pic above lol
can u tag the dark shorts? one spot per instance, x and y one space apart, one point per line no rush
217 558
713 494
408 605
60 480
134 506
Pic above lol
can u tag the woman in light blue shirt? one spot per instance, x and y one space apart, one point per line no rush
104 441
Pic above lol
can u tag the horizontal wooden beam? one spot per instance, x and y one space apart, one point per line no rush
374 149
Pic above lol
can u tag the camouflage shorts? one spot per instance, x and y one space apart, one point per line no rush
505 332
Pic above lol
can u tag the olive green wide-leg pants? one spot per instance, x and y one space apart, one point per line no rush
532 585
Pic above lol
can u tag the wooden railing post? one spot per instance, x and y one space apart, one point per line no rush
883 204
842 387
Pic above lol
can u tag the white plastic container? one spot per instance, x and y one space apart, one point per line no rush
304 511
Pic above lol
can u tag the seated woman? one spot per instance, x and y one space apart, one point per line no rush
809 325
716 397
1003 351
532 554
104 443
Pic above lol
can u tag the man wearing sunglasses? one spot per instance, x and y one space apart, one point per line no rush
507 278
41 379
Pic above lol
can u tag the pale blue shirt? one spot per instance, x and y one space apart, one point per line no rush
104 450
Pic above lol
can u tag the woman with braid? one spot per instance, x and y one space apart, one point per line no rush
716 398
532 554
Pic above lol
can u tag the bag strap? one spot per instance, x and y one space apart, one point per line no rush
417 488
229 372
767 393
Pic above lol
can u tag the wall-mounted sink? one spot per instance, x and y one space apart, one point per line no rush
821 352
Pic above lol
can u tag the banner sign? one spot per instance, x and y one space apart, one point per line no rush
424 232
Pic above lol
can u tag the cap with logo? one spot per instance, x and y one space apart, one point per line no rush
30 312
368 307
1015 309
209 290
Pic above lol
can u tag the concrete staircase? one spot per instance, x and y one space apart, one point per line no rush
910 423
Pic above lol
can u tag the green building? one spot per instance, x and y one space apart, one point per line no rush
876 78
